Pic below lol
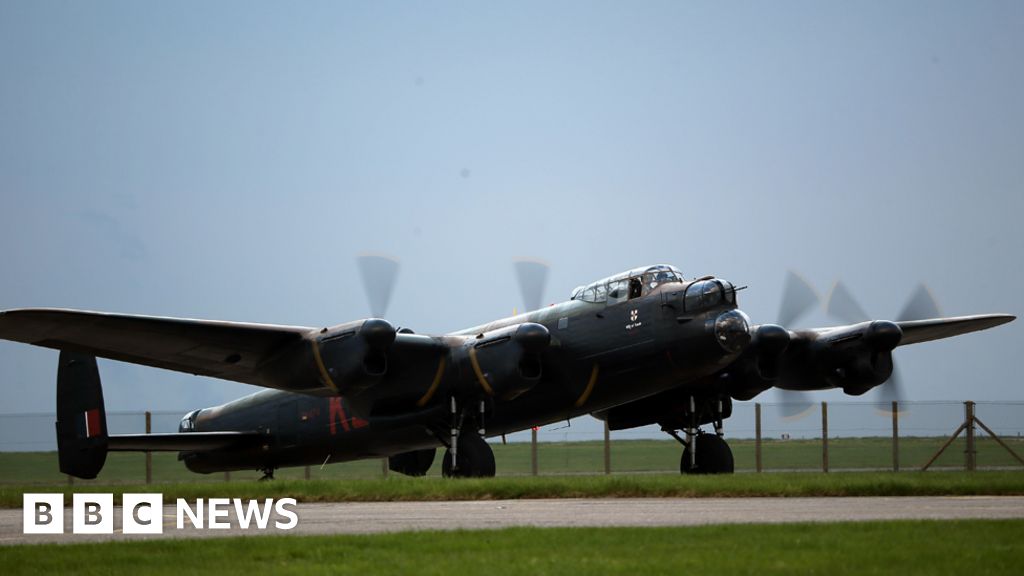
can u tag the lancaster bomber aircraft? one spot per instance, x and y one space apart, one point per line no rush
646 346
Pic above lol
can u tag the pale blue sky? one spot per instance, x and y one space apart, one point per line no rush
228 160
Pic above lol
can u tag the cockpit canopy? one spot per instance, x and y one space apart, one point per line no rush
626 285
188 423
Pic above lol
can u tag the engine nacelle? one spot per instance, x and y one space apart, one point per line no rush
861 373
862 360
768 344
355 356
855 358
758 368
506 362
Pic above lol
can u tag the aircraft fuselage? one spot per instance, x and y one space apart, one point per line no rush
601 354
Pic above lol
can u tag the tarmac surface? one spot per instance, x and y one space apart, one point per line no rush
369 517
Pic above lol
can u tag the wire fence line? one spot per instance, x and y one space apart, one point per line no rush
860 436
35 431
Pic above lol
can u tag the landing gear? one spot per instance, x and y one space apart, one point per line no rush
703 453
713 456
468 454
473 457
268 474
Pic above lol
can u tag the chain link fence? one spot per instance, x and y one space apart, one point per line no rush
763 436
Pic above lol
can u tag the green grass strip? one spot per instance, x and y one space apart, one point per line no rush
905 548
396 488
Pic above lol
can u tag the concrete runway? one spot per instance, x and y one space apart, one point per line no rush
368 517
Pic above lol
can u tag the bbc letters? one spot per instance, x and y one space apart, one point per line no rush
144 514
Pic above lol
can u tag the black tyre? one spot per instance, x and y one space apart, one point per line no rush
414 463
713 456
476 460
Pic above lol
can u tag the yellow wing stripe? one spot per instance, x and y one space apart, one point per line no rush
479 373
433 385
590 388
320 366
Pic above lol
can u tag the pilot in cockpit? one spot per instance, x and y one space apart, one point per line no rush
635 288
658 277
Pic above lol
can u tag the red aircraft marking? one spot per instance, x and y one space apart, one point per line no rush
337 414
93 427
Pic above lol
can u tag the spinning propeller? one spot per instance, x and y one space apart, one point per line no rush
378 273
532 276
921 305
798 298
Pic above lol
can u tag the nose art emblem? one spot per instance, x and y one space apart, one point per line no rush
632 315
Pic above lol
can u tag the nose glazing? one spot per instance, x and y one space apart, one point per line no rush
732 331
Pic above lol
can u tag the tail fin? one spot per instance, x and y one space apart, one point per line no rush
81 419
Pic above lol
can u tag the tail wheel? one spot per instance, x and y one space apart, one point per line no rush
713 456
476 460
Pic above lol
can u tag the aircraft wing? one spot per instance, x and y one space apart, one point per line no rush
228 350
915 331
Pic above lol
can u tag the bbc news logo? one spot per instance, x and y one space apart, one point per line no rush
144 513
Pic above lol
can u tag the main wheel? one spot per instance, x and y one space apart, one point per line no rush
713 456
476 460
414 463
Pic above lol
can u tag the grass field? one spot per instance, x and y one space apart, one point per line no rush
627 456
398 488
906 548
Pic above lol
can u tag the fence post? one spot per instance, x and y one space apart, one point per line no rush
971 456
306 474
533 450
757 436
149 455
227 476
384 467
824 436
607 449
895 436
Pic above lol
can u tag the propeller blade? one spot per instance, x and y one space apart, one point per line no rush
920 306
797 299
842 306
891 391
793 405
532 276
379 273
